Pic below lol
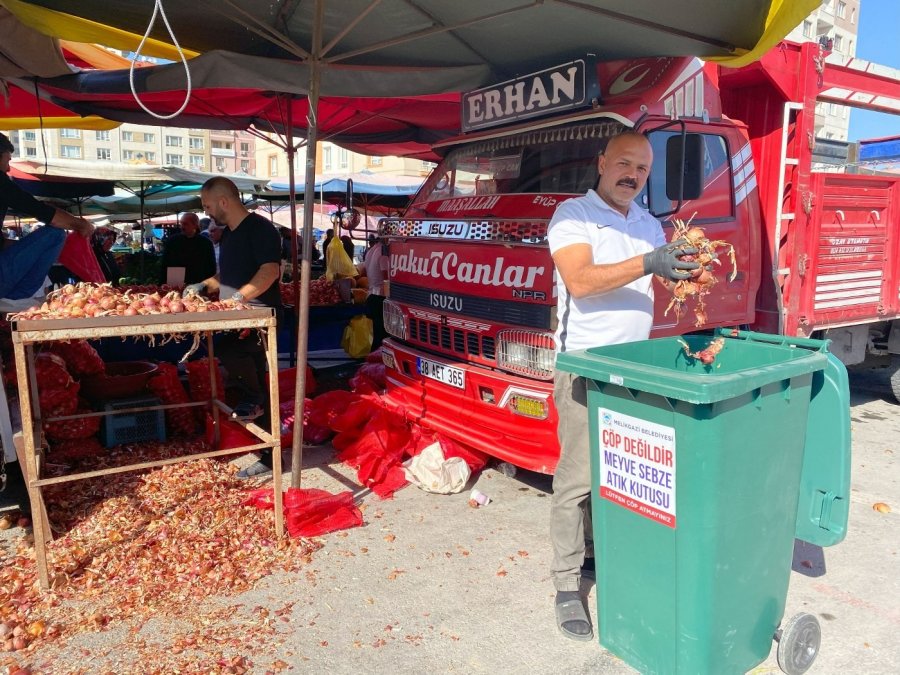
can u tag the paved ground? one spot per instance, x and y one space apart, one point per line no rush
430 584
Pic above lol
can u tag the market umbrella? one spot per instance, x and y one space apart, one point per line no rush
359 47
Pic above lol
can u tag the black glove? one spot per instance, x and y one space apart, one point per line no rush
666 261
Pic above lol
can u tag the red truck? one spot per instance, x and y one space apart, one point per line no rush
472 307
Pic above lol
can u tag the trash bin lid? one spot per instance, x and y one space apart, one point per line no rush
661 366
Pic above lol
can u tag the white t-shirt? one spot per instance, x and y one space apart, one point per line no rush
376 268
621 315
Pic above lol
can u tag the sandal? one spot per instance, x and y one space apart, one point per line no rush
571 617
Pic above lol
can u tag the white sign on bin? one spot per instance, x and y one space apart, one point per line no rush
637 465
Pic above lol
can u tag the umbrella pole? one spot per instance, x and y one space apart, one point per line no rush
309 196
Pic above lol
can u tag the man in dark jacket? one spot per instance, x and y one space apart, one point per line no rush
190 251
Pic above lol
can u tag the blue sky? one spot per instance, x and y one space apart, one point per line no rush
879 30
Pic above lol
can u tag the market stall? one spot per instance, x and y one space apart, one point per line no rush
29 333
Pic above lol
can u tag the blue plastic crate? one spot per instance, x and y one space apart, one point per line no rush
133 427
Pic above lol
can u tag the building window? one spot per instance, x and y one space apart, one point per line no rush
273 165
150 156
127 155
104 154
838 42
841 9
28 136
30 152
850 48
342 157
220 165
807 29
174 160
70 133
375 161
853 15
197 162
173 141
196 143
127 135
102 135
70 151
149 138
326 158
245 165
832 109
829 135
245 149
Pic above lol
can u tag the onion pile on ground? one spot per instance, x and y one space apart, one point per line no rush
84 300
699 285
134 546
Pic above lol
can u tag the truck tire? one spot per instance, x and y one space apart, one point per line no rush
894 370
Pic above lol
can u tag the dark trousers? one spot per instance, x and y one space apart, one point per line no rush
375 311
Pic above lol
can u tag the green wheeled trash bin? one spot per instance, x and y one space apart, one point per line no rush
697 473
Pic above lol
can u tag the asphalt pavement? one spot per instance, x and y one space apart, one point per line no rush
430 584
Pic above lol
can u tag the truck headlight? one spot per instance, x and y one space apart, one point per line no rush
527 353
394 321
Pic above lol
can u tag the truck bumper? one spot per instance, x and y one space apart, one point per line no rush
474 415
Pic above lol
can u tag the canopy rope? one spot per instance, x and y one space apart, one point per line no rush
157 7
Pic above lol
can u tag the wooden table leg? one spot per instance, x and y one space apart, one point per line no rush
41 526
275 424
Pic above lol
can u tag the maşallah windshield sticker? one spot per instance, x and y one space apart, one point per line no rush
637 465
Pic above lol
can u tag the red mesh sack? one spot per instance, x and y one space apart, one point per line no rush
83 427
58 402
324 408
287 383
168 388
199 384
80 356
51 372
78 256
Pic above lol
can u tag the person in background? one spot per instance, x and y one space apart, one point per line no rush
249 266
214 232
375 268
103 241
349 247
190 251
606 250
24 263
329 235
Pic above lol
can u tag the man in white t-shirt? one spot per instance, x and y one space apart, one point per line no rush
375 267
606 249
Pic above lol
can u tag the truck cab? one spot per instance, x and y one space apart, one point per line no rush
472 307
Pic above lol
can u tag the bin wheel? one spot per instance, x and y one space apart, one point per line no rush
798 644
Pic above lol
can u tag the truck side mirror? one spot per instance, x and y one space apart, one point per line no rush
684 169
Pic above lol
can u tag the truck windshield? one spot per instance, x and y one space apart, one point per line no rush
560 160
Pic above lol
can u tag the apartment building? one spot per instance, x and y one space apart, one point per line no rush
333 160
835 23
223 152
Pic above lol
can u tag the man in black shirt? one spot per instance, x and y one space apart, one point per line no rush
249 266
190 251
24 264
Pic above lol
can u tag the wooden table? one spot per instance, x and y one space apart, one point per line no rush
27 334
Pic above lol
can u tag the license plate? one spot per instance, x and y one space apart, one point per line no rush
455 377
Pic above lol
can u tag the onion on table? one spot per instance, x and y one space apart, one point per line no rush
85 300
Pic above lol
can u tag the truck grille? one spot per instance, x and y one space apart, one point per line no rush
455 340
